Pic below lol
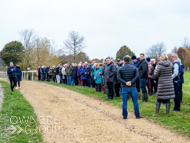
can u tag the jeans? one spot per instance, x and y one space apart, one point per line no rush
133 92
42 77
143 82
73 81
177 98
69 80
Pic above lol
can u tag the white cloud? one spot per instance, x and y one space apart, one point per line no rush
106 24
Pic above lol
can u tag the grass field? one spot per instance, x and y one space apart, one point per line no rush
15 111
178 121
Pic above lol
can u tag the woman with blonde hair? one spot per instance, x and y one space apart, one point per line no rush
165 90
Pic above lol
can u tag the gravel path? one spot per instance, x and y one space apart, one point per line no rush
78 118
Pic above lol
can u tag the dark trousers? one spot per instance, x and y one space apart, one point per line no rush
39 77
48 77
54 78
138 85
12 82
76 81
88 82
84 82
177 98
18 82
99 87
93 83
181 91
153 86
110 90
117 86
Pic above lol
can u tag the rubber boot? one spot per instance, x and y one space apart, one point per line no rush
145 97
139 96
107 92
157 109
168 109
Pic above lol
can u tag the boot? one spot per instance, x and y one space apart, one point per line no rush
157 109
107 92
145 97
139 95
168 109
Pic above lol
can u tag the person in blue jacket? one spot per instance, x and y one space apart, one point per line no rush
88 70
181 82
11 71
83 73
18 75
98 77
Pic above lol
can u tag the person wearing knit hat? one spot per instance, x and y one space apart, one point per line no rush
148 59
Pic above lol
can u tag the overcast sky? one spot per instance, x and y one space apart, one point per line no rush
106 24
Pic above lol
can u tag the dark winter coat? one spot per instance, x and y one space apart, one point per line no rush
128 73
165 82
88 70
18 74
181 74
11 73
109 72
46 70
42 71
116 81
74 72
143 69
78 72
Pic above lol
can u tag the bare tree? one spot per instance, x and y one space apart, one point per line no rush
174 50
156 50
186 43
27 39
74 44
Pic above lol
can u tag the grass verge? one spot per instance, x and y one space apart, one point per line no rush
178 121
16 111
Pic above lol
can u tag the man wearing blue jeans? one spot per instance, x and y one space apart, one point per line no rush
143 77
128 75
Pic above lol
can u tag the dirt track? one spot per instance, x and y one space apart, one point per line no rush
88 120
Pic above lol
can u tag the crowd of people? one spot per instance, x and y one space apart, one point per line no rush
126 77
